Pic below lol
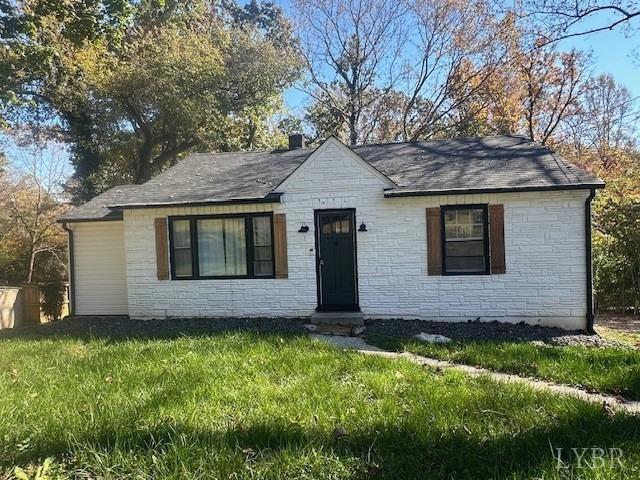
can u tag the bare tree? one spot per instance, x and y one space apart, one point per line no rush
610 114
351 48
554 83
453 39
605 127
377 65
31 204
561 19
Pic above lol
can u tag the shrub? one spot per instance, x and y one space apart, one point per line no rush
616 248
53 299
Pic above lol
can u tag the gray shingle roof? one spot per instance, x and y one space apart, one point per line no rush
463 164
473 164
96 208
218 177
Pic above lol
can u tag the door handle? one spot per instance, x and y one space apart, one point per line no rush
321 262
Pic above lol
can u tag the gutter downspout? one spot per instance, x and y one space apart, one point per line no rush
589 260
72 263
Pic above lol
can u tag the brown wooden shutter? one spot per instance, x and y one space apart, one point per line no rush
434 241
162 245
496 238
280 245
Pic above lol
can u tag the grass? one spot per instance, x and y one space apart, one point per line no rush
608 370
245 405
630 338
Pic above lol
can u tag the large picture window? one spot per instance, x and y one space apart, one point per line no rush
465 240
222 246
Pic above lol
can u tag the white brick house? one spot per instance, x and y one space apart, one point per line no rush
492 228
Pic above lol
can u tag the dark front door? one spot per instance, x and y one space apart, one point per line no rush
336 260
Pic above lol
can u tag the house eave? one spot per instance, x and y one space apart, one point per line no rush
114 216
274 197
466 191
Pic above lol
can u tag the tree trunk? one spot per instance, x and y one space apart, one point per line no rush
353 121
251 135
143 162
32 261
353 99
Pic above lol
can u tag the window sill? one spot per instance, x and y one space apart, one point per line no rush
230 277
464 274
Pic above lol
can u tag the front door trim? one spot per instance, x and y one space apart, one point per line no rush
316 221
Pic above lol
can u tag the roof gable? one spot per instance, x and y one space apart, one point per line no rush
317 155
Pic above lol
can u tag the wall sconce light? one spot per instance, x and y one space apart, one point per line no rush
363 227
303 229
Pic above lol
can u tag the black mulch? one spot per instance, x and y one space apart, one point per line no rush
474 330
485 331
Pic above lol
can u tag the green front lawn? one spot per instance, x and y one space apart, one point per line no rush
246 405
608 370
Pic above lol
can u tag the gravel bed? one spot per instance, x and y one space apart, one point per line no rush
486 331
588 341
123 327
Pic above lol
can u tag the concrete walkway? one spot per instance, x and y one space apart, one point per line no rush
608 402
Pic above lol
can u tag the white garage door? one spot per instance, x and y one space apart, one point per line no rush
100 279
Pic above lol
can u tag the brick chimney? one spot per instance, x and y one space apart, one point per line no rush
296 141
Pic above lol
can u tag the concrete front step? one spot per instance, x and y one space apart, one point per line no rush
351 319
336 330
